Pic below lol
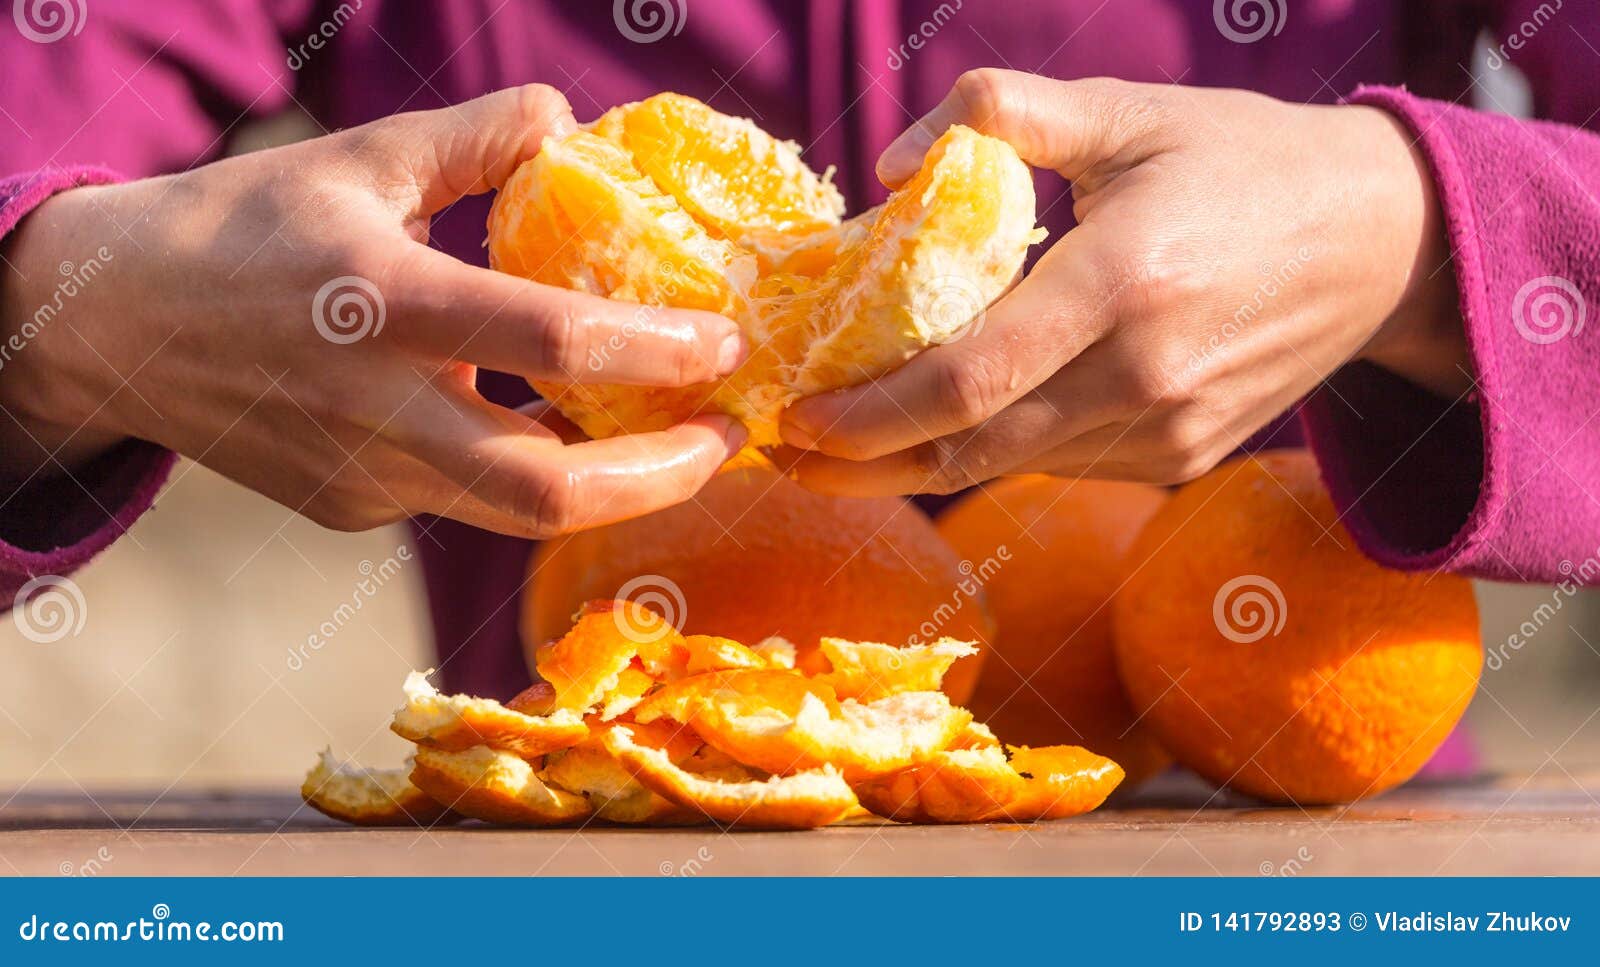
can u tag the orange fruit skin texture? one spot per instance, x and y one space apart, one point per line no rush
1051 677
1369 674
756 555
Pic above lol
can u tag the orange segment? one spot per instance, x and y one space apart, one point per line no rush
460 721
734 178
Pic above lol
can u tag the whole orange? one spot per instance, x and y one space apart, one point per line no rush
754 555
1270 655
1050 553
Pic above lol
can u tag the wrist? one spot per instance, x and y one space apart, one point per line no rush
1423 338
55 257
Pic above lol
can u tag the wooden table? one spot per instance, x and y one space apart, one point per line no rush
1493 825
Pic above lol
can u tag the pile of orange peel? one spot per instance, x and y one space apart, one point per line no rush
638 724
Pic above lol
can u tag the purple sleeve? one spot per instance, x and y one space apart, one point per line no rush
148 91
1504 482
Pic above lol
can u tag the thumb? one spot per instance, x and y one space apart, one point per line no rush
471 148
1066 126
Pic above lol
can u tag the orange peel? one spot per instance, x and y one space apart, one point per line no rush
494 786
962 786
709 653
983 785
590 770
1062 781
783 723
586 667
368 797
803 800
866 670
456 722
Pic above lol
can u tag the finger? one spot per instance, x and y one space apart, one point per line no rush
470 148
1016 345
452 310
1073 403
1067 126
521 470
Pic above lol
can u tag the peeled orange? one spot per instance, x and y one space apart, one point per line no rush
666 202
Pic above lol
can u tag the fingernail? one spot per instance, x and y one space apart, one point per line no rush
734 436
903 156
730 354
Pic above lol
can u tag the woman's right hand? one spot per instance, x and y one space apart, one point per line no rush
279 317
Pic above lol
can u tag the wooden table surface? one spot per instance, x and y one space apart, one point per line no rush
1493 825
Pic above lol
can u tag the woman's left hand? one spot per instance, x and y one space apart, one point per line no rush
1231 252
